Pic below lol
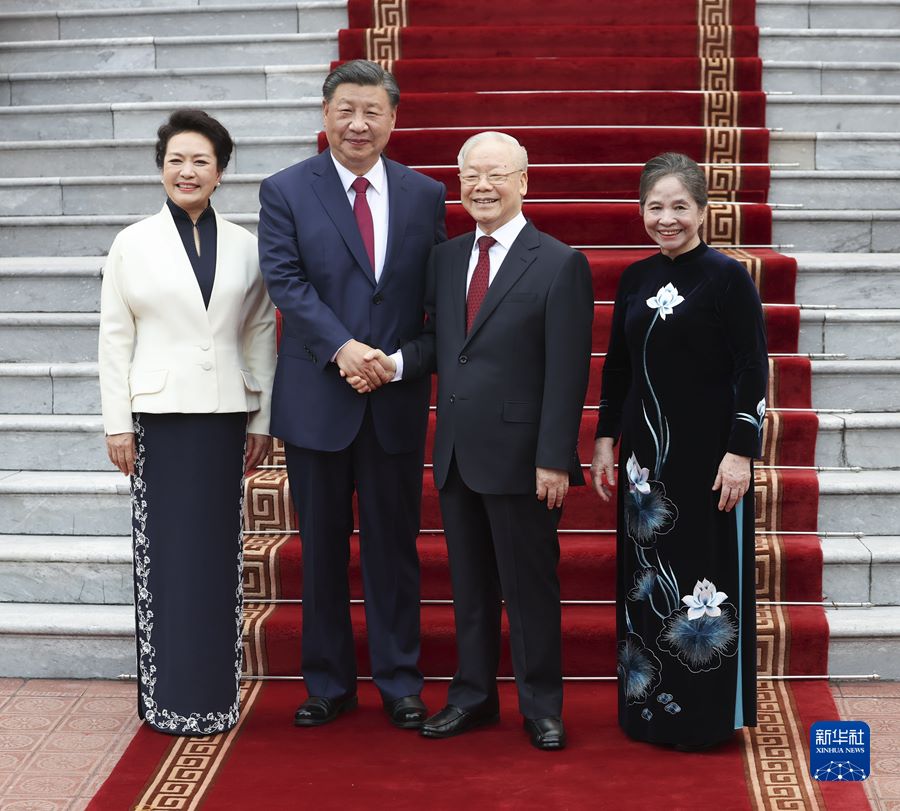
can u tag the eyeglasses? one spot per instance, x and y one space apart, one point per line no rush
494 178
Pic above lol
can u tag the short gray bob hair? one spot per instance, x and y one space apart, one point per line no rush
692 177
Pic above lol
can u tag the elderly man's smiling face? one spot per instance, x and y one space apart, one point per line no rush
493 183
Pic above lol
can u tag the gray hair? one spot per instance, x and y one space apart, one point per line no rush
491 135
362 72
692 177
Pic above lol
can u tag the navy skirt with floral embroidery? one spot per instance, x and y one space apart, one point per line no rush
187 497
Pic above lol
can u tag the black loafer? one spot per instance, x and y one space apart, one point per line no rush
453 720
317 710
407 713
546 733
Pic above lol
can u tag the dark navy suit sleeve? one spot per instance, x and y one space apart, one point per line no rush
287 282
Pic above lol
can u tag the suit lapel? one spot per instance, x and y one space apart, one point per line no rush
333 198
520 255
398 213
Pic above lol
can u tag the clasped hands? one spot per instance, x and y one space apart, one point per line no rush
364 367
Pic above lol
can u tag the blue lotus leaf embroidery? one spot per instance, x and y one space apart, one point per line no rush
700 644
638 669
648 514
644 583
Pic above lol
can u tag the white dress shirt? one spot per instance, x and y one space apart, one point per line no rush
505 235
377 197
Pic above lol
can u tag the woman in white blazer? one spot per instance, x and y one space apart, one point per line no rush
187 357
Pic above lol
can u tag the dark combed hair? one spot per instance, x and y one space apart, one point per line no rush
363 72
692 177
191 120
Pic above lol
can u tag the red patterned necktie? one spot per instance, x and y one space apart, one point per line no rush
363 215
480 279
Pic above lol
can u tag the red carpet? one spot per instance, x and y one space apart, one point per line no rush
694 85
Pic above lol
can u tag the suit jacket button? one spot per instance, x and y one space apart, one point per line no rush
463 359
206 366
452 398
377 298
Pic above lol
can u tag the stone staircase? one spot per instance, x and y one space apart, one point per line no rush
78 110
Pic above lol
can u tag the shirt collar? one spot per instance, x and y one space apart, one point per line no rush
506 234
375 175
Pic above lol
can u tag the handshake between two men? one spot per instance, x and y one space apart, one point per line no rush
363 367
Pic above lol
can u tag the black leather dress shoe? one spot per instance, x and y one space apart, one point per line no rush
317 710
546 733
453 720
407 713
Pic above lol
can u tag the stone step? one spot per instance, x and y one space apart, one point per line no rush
867 501
853 231
53 442
49 388
139 194
849 279
126 53
863 569
257 155
129 121
171 85
77 569
97 503
32 337
864 641
11 6
812 78
863 385
801 14
848 189
66 640
826 151
94 641
50 283
251 18
863 334
833 113
860 439
830 44
287 117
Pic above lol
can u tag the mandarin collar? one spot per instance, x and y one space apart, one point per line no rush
178 213
688 256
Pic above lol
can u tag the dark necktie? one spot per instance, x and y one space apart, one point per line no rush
480 280
363 215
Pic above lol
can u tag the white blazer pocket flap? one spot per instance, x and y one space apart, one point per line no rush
250 382
148 382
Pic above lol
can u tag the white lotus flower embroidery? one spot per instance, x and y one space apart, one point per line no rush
705 600
761 408
637 475
665 299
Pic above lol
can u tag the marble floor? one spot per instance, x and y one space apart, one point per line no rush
60 739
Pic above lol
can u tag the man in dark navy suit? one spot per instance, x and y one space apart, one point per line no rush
509 332
344 238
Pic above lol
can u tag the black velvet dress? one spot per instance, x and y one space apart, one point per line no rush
684 382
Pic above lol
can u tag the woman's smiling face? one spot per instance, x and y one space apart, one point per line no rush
190 171
672 217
